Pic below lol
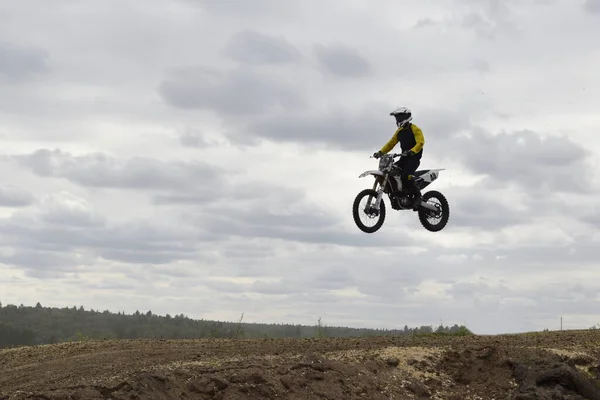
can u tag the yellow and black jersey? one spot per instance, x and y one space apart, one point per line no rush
409 136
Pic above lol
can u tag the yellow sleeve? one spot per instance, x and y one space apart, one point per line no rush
419 138
391 143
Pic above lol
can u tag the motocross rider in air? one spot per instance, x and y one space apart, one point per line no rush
411 141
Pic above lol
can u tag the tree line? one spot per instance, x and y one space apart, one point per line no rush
26 325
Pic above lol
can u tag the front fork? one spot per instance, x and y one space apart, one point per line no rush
380 191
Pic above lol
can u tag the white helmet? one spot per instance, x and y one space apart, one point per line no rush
403 116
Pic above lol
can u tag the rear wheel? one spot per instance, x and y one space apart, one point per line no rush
360 209
434 221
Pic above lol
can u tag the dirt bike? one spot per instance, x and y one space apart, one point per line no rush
388 181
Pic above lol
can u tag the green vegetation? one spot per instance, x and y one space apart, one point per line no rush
24 325
443 331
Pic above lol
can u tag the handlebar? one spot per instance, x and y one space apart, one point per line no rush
393 155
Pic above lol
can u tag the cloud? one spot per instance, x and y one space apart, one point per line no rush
65 231
592 6
222 190
66 209
490 18
192 138
335 127
231 93
482 209
298 283
104 171
20 63
307 225
341 60
14 196
43 264
547 164
482 66
239 7
255 48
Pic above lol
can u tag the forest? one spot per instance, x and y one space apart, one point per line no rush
34 325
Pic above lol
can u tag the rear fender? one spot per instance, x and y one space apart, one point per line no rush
430 176
427 178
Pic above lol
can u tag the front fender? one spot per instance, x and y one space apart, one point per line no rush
371 172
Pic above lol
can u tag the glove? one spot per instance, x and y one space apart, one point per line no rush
407 153
377 154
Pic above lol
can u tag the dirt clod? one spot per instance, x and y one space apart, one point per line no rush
393 361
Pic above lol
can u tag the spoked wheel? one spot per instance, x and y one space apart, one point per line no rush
362 209
434 221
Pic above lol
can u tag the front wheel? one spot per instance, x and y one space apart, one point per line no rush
378 216
434 221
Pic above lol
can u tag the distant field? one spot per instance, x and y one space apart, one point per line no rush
545 365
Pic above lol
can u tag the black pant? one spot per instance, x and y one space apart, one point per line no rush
408 166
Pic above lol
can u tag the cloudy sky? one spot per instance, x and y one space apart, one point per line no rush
202 156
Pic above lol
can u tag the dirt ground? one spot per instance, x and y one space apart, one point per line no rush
549 365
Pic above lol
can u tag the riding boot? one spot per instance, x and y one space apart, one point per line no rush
411 189
417 199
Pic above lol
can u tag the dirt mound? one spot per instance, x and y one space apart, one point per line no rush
553 365
312 376
521 373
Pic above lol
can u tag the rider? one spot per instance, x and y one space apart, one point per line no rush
411 141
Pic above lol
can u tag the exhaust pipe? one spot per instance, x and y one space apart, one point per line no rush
428 206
